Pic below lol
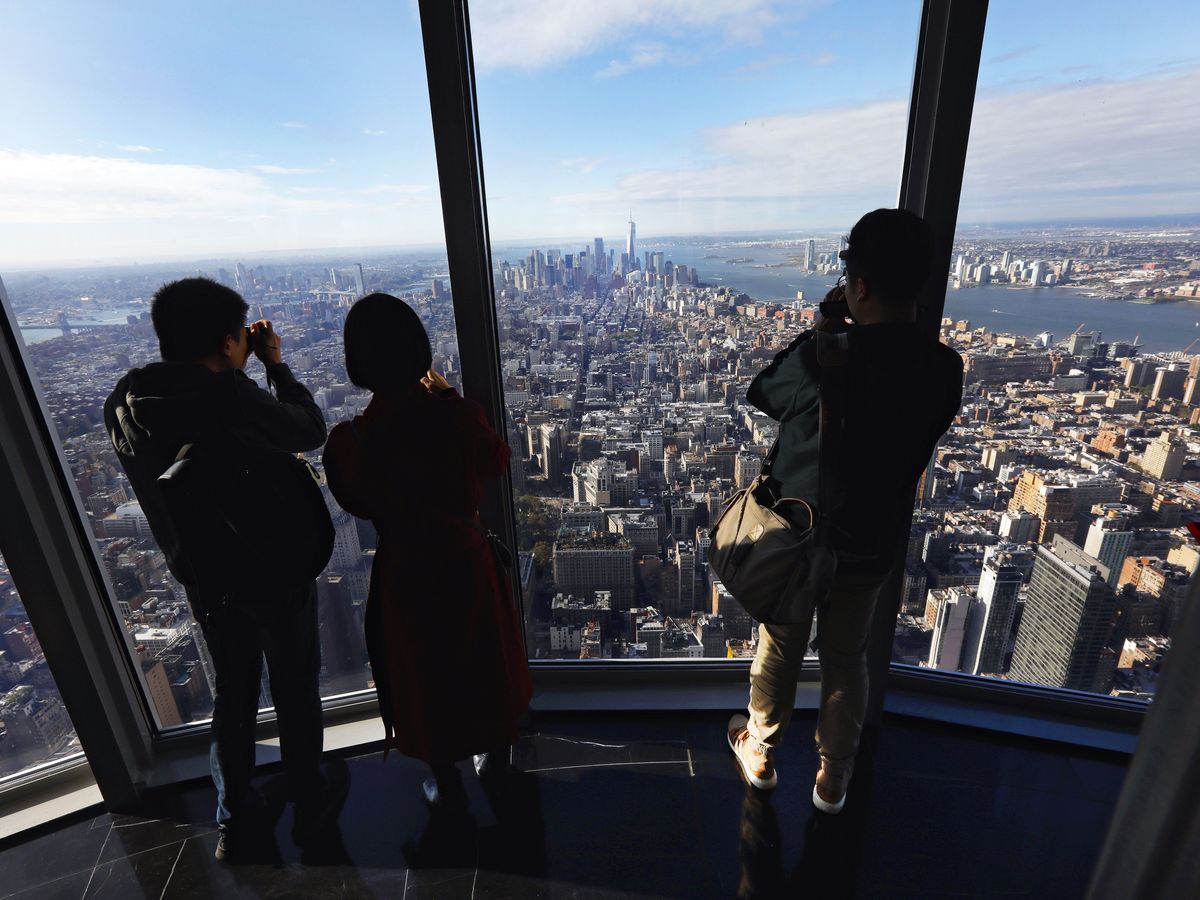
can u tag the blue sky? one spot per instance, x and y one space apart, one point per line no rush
138 130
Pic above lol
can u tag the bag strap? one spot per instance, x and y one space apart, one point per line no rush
833 350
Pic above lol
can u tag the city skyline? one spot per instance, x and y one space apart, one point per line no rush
232 147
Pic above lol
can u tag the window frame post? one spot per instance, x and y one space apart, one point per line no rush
61 582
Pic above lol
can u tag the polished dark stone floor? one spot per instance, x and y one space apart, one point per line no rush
635 805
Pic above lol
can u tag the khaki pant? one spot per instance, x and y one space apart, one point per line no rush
843 627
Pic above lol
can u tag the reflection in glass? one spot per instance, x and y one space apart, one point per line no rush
35 728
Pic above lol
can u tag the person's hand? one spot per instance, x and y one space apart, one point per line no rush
434 381
266 342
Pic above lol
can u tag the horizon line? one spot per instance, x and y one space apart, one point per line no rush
417 247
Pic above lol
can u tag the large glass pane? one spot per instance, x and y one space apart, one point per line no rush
666 194
284 150
1048 546
35 729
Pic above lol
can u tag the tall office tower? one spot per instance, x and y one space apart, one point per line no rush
1164 457
684 557
631 243
333 278
240 278
659 261
1108 539
347 549
1138 372
810 255
1037 273
1169 383
1191 391
999 584
585 563
651 366
928 480
950 628
841 244
1020 527
1066 621
552 453
601 257
343 648
436 289
1066 268
654 439
960 266
360 282
746 467
1005 259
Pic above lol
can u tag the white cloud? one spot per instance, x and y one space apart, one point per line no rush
138 148
65 188
373 132
282 170
583 164
396 189
643 57
291 124
1077 150
60 206
533 34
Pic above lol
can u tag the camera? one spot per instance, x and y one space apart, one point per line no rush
836 308
249 337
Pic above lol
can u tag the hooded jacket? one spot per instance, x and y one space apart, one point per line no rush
154 411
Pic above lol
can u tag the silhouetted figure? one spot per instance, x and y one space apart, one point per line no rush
200 395
442 629
902 390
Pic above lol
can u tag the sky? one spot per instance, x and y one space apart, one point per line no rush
136 131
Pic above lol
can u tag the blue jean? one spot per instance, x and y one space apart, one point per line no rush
283 628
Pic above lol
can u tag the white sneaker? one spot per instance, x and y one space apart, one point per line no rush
754 757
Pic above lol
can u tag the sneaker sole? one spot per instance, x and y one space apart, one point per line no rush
763 784
825 806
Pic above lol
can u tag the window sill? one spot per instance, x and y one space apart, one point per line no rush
65 792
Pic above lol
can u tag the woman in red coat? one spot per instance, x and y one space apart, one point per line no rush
442 631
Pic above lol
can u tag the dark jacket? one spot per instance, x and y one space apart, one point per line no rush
154 411
902 391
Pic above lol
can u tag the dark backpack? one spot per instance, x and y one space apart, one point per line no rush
247 520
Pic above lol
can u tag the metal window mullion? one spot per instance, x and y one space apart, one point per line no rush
445 29
58 577
949 47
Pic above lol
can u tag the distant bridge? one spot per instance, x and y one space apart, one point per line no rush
76 327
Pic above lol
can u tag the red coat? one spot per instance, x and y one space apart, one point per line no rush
443 633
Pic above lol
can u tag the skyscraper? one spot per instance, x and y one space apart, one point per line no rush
601 257
810 255
999 584
1164 457
359 281
1108 540
552 452
1066 620
631 244
950 629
